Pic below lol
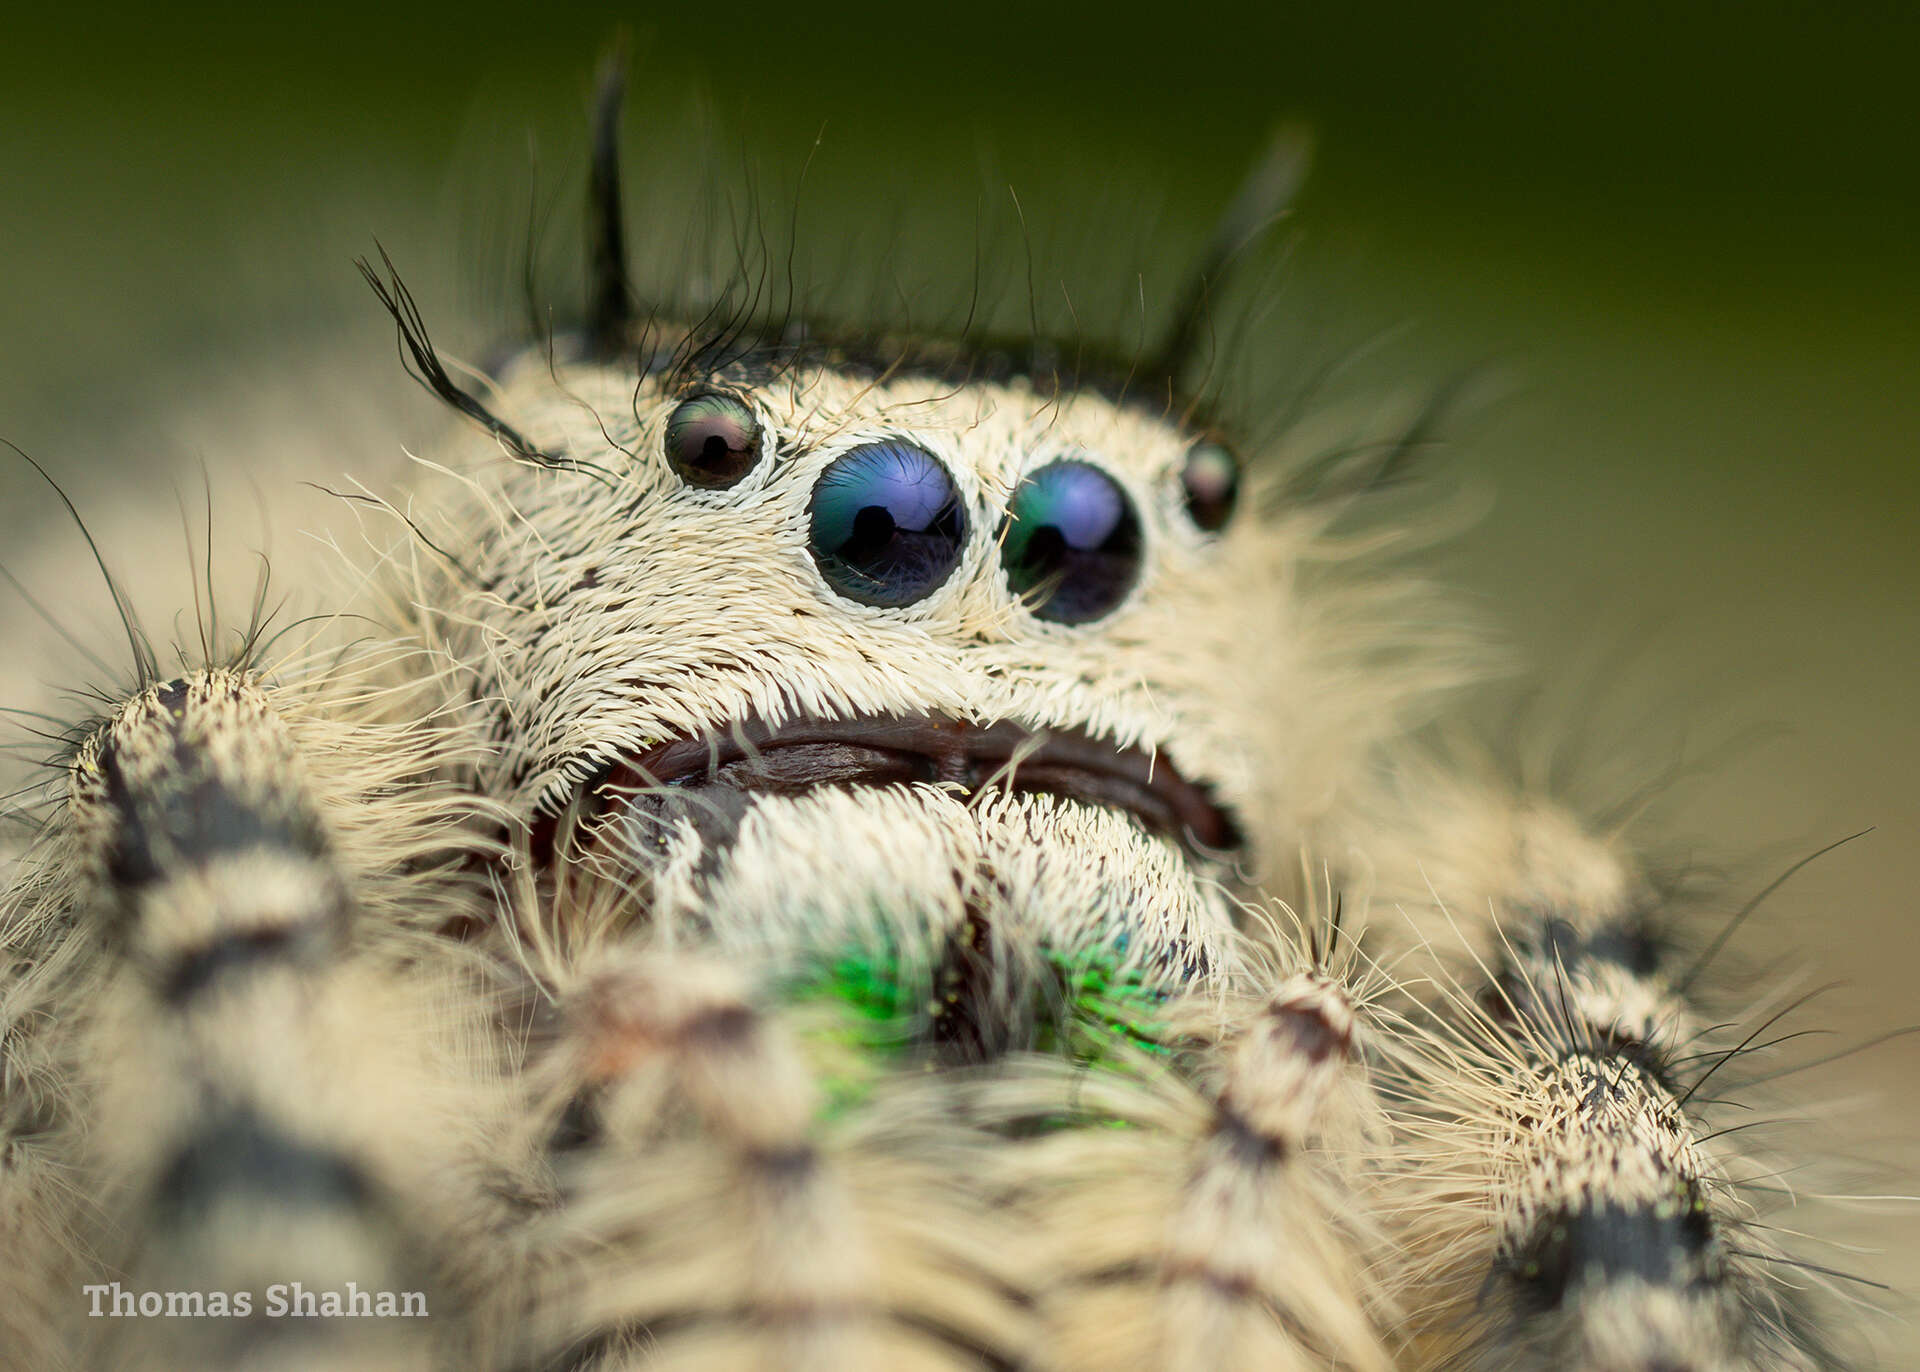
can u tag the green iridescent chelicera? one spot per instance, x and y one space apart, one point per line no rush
1091 1005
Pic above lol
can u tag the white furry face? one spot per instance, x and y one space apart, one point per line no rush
635 622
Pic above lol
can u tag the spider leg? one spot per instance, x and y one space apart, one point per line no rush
1568 1206
719 1210
247 1131
1217 1223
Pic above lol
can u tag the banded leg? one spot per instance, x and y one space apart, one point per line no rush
1572 1201
1216 1229
248 1131
710 1219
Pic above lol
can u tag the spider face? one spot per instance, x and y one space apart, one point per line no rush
793 597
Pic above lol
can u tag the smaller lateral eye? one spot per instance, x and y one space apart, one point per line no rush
712 441
1210 485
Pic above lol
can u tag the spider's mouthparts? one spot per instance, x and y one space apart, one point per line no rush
755 758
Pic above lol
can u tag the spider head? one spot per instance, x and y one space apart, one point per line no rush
908 645
878 606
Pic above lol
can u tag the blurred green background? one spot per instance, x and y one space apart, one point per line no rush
1683 235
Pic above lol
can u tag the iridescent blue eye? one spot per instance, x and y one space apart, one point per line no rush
887 525
1071 543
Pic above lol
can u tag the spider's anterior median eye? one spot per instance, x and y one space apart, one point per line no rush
1071 543
1210 482
887 525
712 441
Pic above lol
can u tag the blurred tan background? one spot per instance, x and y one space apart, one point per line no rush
1683 239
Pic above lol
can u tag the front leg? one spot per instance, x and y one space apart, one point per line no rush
259 1145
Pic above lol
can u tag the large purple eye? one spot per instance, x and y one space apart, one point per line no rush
887 525
712 441
1071 543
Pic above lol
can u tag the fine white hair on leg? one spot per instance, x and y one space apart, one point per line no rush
1213 1217
249 1063
1564 1195
707 1217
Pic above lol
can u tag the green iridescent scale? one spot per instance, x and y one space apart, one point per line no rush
866 1012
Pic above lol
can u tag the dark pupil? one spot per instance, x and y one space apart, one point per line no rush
886 524
1211 483
1071 544
712 441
